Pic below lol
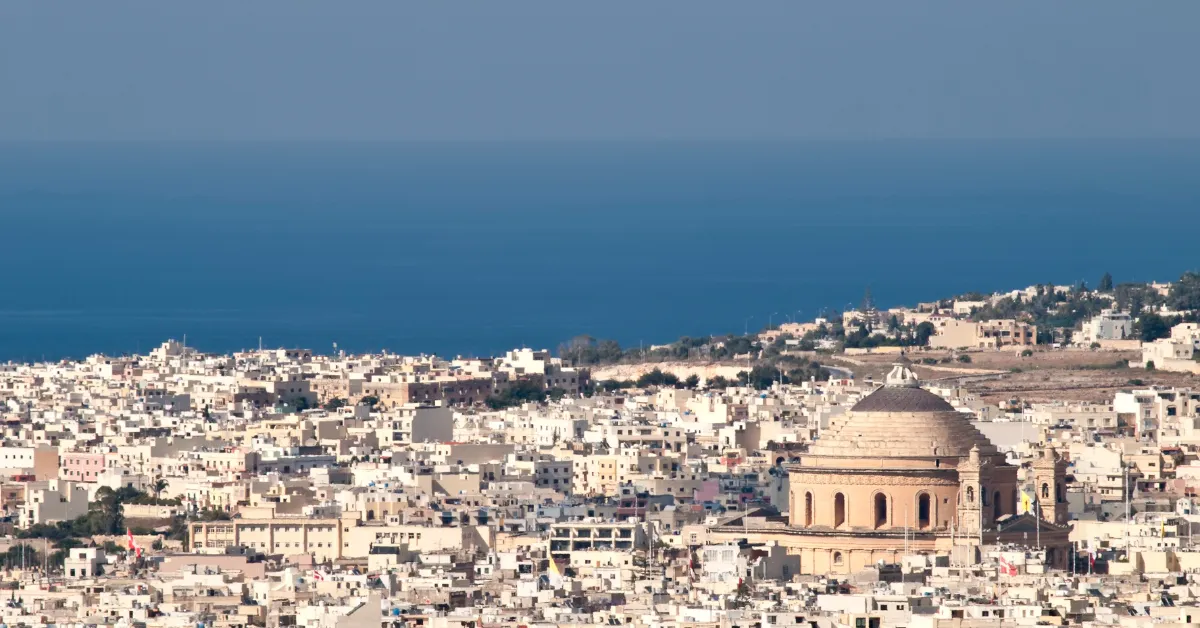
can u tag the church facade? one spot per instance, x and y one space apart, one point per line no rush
904 472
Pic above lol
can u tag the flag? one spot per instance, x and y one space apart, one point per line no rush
1026 504
1007 568
553 575
318 575
129 535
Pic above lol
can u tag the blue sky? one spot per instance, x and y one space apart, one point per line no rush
554 70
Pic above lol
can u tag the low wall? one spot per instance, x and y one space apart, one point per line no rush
1175 365
876 350
148 511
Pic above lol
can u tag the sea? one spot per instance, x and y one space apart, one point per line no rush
475 248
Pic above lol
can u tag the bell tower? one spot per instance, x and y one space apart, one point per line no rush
970 494
1050 485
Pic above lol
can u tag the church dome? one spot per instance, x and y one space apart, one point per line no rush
889 399
901 420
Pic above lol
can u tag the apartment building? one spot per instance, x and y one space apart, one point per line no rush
399 389
42 462
1004 333
578 542
416 423
1110 324
326 539
953 333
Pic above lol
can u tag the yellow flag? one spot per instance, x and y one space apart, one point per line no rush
1026 503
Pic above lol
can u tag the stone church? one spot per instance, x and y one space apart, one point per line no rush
904 470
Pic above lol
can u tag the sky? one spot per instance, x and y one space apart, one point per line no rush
276 70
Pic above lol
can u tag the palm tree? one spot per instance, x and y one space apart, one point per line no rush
160 485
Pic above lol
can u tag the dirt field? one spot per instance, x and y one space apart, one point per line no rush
1051 375
1047 375
681 370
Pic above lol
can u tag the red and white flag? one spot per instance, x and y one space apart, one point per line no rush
129 534
1007 568
318 575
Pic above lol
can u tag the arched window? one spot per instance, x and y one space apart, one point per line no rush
1045 491
881 510
837 558
839 510
983 495
996 510
808 509
970 494
923 511
1058 493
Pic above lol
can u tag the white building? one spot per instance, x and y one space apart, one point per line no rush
1108 325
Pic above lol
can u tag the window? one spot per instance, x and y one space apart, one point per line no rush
996 511
923 515
808 509
881 510
837 558
839 510
1045 491
970 494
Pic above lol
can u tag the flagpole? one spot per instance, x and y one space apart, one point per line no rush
1039 524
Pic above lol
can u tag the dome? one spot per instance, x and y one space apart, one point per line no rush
901 420
889 399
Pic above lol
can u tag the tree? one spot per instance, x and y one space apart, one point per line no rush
657 378
518 392
20 555
922 334
610 385
1133 297
1152 327
369 400
718 382
160 485
741 595
579 350
586 350
761 377
692 381
868 303
609 351
335 403
1106 283
1185 293
964 358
